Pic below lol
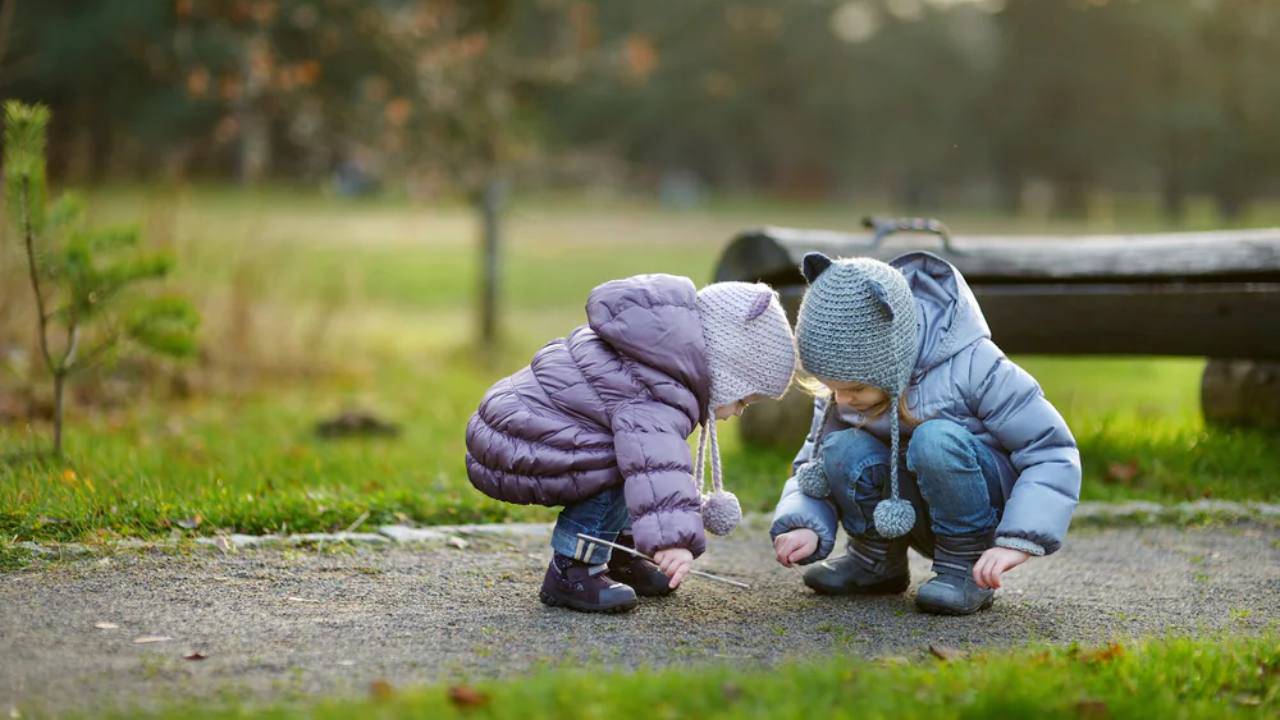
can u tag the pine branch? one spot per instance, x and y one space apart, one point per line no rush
98 351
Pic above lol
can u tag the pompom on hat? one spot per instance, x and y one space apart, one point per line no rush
750 351
858 323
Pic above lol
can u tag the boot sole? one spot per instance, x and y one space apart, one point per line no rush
641 590
892 586
552 601
932 609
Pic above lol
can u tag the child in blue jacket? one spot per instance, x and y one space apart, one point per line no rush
910 376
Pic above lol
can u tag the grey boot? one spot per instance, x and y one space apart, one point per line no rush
872 566
953 591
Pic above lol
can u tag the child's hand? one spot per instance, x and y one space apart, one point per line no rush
675 563
795 545
994 563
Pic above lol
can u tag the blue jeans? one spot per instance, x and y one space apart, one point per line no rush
951 477
603 515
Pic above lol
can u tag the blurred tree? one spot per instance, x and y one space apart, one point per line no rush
787 97
475 67
81 277
1242 57
918 100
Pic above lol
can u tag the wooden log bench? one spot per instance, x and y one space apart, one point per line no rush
1204 294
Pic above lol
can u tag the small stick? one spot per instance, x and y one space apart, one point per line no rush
359 521
639 554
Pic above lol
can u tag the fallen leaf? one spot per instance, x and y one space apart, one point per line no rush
194 655
1123 472
946 652
381 690
1093 709
458 542
148 639
465 696
106 626
1107 654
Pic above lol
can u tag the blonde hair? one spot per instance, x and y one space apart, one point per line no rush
815 387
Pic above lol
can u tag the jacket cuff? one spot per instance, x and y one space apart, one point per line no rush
1017 543
1048 543
787 523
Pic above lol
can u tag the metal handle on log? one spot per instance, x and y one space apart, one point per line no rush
884 227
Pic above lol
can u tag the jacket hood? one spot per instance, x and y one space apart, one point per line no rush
653 319
949 316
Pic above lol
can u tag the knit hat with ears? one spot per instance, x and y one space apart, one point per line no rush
858 324
750 351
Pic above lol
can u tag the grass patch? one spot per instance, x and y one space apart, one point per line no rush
252 464
372 298
12 557
1174 678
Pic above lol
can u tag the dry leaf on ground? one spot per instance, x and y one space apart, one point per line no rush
1123 472
381 690
946 652
466 696
1093 709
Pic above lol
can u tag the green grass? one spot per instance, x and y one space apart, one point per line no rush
1165 678
368 303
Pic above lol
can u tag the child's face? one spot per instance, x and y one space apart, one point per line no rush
856 395
724 412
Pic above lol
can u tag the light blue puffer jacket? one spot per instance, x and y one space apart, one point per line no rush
962 376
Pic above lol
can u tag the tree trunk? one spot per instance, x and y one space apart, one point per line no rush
1009 184
59 384
1173 187
255 126
1231 204
1173 196
489 204
1071 197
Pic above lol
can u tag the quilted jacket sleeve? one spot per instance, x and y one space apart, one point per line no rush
797 510
656 465
1011 405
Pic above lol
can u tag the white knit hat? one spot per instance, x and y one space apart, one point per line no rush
750 351
750 348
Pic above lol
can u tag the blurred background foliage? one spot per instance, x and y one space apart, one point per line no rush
932 103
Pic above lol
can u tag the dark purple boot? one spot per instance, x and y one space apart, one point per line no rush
640 574
577 586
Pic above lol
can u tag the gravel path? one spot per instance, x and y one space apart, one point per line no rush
280 623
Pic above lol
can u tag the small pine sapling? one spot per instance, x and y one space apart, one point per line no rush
82 278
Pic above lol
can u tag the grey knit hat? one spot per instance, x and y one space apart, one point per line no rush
750 351
858 323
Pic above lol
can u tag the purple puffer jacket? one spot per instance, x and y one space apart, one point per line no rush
612 403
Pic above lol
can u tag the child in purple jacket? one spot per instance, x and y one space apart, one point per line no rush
598 423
